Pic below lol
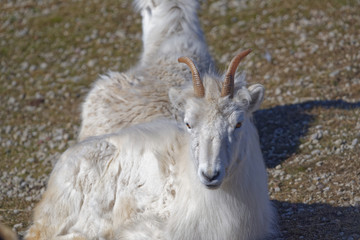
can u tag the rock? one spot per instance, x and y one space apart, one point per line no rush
315 152
11 101
357 201
43 65
277 91
338 142
32 68
18 225
317 136
311 188
334 73
24 65
91 63
268 56
319 163
315 141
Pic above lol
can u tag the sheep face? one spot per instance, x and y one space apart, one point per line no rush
214 133
217 126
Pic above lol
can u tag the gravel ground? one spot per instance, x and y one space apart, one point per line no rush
306 54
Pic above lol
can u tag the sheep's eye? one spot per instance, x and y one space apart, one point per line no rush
188 125
238 125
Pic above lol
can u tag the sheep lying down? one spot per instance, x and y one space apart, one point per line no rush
140 183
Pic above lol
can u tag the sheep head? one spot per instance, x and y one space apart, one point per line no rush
217 119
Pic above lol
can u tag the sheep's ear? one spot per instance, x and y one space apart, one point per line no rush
177 100
257 96
240 81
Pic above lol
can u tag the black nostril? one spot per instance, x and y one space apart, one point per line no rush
212 177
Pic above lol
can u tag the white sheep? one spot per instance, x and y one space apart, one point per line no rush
202 179
143 183
170 30
161 180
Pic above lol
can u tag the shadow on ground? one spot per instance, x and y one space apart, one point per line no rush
317 221
281 127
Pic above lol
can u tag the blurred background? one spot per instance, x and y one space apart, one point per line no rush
306 53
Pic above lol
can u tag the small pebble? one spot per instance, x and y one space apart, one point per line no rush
18 225
338 142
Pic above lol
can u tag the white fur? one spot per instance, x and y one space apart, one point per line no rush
170 30
159 180
141 183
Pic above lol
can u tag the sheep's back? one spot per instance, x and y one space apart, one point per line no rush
103 185
120 100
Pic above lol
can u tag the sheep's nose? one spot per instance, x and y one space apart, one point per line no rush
210 177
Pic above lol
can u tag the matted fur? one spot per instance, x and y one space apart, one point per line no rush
140 183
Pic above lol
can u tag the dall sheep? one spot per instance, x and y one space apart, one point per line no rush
161 156
142 183
170 30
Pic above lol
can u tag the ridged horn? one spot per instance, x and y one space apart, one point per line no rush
228 85
199 89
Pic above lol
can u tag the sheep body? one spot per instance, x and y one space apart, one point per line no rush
170 30
157 180
140 183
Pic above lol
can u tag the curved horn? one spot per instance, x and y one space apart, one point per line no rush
199 89
228 85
